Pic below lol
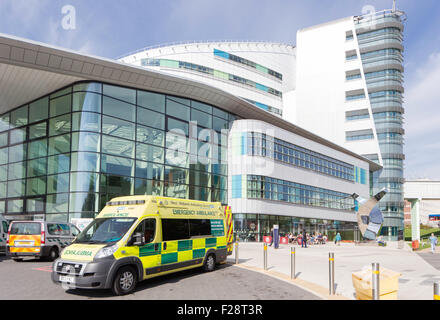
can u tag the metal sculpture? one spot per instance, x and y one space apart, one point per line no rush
369 216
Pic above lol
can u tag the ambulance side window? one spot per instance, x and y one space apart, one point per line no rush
148 228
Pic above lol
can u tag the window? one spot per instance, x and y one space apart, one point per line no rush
60 125
116 165
38 130
5 226
88 86
149 135
85 161
19 117
85 141
59 144
199 227
58 229
118 128
26 228
148 229
86 121
17 136
39 110
116 146
86 101
151 100
60 105
120 93
36 186
177 110
119 109
150 118
175 229
75 231
202 119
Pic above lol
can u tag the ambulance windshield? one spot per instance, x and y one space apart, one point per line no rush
105 230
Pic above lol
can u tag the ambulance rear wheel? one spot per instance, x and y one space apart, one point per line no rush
125 281
17 259
209 264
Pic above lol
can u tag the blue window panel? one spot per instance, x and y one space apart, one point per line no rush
363 176
236 186
261 87
262 106
243 142
220 53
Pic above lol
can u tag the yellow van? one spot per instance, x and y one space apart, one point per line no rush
139 237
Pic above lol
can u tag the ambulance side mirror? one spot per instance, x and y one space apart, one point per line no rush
138 239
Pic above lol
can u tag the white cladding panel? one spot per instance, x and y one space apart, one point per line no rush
321 85
422 189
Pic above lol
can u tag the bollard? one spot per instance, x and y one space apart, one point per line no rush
265 256
375 281
236 251
436 290
331 273
292 263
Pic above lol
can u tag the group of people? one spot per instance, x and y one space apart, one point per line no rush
304 238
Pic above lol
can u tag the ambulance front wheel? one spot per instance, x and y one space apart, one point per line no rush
209 264
125 281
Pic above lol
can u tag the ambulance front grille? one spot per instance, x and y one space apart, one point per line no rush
69 268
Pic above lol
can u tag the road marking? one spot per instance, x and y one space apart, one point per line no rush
45 269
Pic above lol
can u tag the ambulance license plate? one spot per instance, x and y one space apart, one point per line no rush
69 279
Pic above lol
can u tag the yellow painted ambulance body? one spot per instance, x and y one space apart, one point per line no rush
139 237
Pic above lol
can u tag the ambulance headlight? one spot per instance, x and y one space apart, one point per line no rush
106 251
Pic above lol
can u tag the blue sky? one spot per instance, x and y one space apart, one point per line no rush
111 28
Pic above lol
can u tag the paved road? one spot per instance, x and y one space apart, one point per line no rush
432 259
417 272
30 279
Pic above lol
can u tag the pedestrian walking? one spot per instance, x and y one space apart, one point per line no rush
433 240
338 239
271 237
303 240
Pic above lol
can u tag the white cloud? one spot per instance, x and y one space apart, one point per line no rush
41 20
422 120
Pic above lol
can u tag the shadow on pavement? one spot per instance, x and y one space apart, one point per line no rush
240 260
143 285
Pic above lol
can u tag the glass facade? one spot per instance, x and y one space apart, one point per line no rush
260 187
260 144
246 62
387 111
251 227
68 153
209 71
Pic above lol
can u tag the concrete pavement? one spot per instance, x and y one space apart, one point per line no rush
415 283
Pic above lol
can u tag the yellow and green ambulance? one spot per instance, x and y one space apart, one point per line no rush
139 237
